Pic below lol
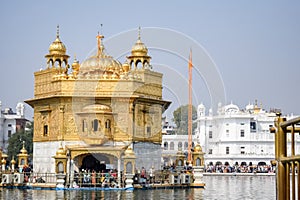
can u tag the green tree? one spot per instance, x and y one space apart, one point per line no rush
15 142
180 118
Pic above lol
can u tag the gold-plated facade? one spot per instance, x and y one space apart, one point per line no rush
96 102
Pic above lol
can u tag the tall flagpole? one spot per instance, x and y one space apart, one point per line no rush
190 109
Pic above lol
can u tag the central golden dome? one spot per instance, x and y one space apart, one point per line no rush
101 63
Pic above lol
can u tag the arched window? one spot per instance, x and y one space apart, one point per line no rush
129 168
107 124
172 146
45 130
165 145
186 145
198 162
60 167
180 162
179 145
95 124
84 125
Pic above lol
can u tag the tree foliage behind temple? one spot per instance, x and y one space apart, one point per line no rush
15 142
180 118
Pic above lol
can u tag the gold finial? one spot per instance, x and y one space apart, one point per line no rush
57 31
139 33
100 47
23 150
278 114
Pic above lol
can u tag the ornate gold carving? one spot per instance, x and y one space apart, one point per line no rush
79 150
71 126
135 99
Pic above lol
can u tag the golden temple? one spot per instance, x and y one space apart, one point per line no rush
89 113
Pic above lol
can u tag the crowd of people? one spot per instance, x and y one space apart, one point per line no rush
109 178
87 178
240 169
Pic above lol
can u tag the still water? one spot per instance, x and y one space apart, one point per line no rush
217 187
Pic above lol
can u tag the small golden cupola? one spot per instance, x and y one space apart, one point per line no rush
139 54
198 148
23 157
256 108
198 156
75 67
57 54
60 160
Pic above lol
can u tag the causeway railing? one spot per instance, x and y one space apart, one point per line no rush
287 162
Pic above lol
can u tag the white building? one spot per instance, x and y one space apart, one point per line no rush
10 123
237 136
171 144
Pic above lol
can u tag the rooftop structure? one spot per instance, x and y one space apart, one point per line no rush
10 123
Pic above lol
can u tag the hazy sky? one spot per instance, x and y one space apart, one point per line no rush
255 45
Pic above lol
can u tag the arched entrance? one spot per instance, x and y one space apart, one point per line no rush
90 158
96 162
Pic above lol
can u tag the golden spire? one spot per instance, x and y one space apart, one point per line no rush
139 33
100 45
139 48
23 150
57 31
57 47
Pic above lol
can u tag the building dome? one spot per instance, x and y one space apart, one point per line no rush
60 151
139 54
129 152
249 107
231 108
101 63
126 66
201 106
57 47
139 48
198 148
